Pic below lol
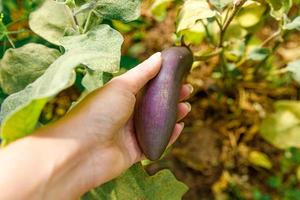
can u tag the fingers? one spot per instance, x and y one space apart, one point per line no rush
185 92
176 133
137 77
183 110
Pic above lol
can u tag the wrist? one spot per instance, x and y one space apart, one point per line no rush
68 150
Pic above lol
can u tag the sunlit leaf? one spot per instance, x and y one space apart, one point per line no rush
235 31
51 21
295 24
20 67
294 68
282 128
260 159
192 11
159 9
135 183
251 13
194 35
98 49
124 10
92 80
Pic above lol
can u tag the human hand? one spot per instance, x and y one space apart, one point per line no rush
94 143
107 119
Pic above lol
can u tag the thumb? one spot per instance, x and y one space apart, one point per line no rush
137 77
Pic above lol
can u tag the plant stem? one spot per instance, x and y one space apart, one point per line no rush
219 23
10 41
87 22
209 37
76 21
227 14
17 32
270 38
235 10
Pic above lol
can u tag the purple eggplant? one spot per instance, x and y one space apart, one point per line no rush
156 109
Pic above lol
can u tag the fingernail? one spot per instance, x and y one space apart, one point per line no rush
155 56
189 106
191 88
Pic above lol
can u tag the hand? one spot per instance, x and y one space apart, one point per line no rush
94 143
107 118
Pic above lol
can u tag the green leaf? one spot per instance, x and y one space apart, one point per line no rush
220 4
260 159
51 21
275 4
124 10
159 9
192 11
136 184
99 49
3 30
235 32
20 67
194 35
294 68
298 173
92 80
280 8
250 14
259 54
258 195
292 194
282 128
295 24
274 181
293 155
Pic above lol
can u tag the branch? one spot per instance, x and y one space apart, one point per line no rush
236 8
271 37
10 41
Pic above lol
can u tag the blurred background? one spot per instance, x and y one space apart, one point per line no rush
238 141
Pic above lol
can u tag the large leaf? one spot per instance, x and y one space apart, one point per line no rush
136 184
250 14
282 128
124 10
99 49
192 11
20 67
295 24
294 68
51 21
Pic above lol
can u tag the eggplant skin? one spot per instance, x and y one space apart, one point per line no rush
156 108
